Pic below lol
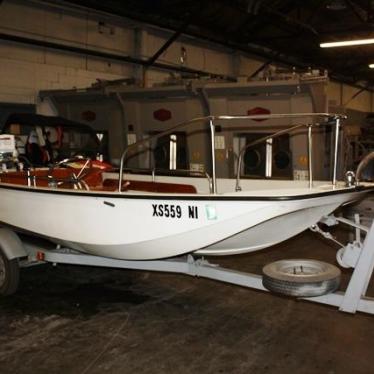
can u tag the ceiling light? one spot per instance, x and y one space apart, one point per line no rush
371 66
347 43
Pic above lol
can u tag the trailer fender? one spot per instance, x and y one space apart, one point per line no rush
11 245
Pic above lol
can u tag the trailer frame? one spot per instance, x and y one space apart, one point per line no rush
353 299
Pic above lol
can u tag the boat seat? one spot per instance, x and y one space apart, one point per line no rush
132 185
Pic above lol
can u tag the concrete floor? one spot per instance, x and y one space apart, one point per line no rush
70 319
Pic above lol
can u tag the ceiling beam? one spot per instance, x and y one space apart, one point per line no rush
282 53
106 55
357 11
168 43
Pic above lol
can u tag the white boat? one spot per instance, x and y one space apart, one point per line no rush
143 217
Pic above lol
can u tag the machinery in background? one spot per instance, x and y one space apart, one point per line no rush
42 140
131 113
272 159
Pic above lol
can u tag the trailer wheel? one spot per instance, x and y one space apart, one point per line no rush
9 275
301 278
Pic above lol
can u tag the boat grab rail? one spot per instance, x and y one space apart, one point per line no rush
363 164
256 142
211 119
149 139
32 179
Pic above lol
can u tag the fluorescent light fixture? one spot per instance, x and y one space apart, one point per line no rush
371 66
347 43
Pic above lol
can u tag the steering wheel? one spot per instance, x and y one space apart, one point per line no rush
75 159
77 178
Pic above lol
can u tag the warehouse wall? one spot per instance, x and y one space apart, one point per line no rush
24 70
350 97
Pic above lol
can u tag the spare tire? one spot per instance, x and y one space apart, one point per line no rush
301 278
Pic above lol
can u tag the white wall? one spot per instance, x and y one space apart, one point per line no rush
24 70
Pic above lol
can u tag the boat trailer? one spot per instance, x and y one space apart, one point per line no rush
358 255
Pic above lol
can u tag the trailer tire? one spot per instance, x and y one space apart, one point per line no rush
9 275
301 278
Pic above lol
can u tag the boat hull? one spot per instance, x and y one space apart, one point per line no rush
144 227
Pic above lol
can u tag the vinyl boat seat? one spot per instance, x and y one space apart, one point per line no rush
132 185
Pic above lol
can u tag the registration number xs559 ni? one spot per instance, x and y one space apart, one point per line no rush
174 211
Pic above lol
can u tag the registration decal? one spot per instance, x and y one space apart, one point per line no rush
211 213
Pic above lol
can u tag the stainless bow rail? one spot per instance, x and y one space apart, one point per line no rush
211 121
363 164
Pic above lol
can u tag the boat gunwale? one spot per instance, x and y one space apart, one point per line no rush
184 196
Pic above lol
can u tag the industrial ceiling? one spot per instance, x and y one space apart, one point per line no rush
280 31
